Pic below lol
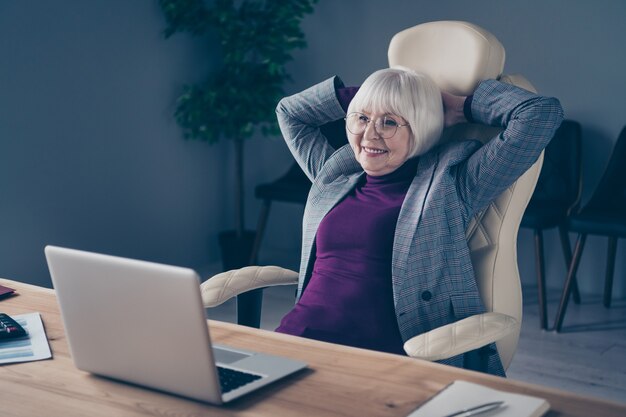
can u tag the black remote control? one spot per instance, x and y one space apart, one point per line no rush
9 328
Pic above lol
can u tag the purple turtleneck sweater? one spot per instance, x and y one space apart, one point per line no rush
349 299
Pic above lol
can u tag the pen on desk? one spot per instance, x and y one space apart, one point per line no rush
479 409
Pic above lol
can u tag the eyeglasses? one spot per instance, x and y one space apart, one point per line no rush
386 127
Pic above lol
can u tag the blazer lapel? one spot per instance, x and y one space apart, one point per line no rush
409 219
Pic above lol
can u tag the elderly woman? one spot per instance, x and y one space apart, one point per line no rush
384 253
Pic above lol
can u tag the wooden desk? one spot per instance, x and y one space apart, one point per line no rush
341 381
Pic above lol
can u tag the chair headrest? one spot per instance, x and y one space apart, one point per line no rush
456 55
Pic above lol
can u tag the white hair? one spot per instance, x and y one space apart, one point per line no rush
408 94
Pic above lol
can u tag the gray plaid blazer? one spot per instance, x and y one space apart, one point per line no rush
432 274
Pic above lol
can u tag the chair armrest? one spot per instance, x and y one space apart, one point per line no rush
226 285
462 336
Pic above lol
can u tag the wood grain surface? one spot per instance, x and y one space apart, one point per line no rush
340 381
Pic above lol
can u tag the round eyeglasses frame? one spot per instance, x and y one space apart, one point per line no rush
380 125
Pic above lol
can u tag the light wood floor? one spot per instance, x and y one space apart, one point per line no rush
588 357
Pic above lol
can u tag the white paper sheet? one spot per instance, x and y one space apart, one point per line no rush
35 347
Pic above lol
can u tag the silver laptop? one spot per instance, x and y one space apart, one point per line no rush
144 323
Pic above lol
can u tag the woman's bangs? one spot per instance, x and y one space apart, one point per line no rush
380 97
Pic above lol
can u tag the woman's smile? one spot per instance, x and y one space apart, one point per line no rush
373 151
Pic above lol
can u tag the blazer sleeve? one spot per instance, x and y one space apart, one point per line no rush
529 123
300 117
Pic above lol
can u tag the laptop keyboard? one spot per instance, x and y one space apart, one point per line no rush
231 379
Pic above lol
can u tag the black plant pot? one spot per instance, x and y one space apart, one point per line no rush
236 252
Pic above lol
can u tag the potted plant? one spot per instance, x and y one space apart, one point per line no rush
237 100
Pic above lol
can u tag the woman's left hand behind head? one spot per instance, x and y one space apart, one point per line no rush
452 109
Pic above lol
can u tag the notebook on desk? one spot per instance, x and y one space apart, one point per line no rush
462 396
144 323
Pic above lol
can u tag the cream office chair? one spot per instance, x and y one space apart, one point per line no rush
457 55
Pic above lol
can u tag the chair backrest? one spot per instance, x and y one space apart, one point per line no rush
457 55
610 194
560 182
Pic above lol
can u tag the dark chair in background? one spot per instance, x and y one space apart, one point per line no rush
604 215
556 196
293 187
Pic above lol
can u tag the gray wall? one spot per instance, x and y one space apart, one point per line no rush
90 156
